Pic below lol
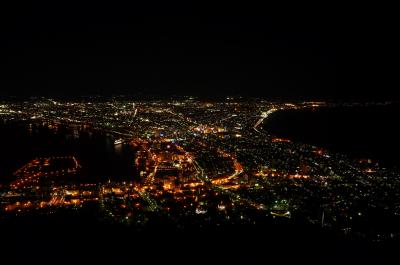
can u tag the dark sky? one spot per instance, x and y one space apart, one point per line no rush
67 48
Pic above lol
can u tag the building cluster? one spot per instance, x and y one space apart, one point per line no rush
204 163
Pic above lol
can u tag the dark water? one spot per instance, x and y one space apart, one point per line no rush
360 132
21 142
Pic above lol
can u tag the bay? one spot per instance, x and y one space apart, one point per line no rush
358 131
100 159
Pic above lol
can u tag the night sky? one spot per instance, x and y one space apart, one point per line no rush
66 48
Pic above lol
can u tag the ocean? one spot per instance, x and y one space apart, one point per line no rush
357 131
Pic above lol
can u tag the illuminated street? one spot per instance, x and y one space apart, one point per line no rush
207 162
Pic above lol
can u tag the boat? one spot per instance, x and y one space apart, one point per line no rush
118 141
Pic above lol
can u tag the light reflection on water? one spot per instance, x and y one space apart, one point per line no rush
118 148
100 158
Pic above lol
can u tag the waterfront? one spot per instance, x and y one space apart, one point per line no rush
100 159
357 131
201 164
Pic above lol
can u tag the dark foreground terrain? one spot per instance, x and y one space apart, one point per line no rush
71 241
